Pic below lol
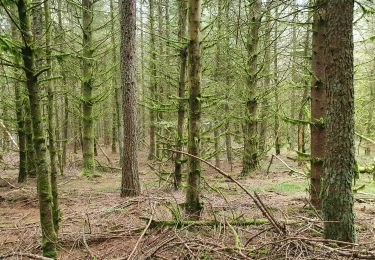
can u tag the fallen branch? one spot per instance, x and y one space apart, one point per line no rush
7 182
365 138
9 134
142 235
255 198
19 254
212 223
283 162
104 153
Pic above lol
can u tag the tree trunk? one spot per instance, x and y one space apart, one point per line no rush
65 122
49 237
115 109
301 114
130 179
51 121
228 81
370 115
318 103
87 90
251 154
267 82
292 133
340 170
20 114
153 84
182 22
193 204
276 92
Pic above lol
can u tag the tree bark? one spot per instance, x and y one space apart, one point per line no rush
340 151
153 84
20 114
182 23
87 90
251 138
51 119
115 109
130 179
318 102
49 236
193 203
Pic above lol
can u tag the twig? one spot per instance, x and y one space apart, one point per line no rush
92 256
142 235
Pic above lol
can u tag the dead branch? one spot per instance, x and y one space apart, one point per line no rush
104 153
9 134
19 254
256 200
142 235
283 162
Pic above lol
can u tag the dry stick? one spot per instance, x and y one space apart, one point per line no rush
366 138
32 256
9 134
283 162
142 235
10 184
106 156
257 201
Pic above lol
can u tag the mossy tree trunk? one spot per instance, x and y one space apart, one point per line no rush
65 121
87 89
115 109
251 155
228 82
130 185
193 203
340 151
153 84
276 129
49 237
318 102
267 81
182 24
51 118
20 115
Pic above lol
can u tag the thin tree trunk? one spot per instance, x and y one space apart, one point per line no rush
182 23
318 103
304 100
20 107
130 185
114 81
49 236
228 81
193 204
276 92
153 84
338 198
87 90
51 120
292 133
251 138
267 82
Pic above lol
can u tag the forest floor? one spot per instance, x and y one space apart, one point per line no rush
98 224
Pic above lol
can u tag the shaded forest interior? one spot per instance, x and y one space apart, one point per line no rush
187 129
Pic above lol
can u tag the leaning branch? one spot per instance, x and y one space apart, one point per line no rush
279 228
